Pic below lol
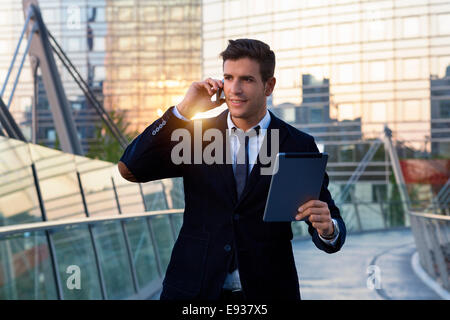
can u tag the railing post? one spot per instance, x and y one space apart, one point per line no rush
93 241
48 236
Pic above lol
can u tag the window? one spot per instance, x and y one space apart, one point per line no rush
345 111
376 29
125 72
50 134
73 44
443 23
411 69
313 36
99 44
125 14
346 73
212 12
411 27
77 106
289 114
346 153
411 110
345 33
444 110
315 115
377 71
73 17
99 73
176 14
378 112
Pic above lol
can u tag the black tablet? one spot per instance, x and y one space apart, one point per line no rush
298 178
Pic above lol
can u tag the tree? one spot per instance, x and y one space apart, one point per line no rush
106 147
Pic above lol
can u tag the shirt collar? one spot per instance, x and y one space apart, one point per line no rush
263 124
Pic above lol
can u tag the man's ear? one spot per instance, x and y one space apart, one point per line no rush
270 85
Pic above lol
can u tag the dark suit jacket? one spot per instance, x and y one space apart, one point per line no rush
216 223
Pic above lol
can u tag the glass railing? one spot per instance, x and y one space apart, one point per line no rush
432 237
73 228
107 257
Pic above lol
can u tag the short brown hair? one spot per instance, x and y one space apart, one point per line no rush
253 49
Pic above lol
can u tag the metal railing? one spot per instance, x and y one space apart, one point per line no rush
432 237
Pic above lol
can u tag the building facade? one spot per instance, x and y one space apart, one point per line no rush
138 56
377 55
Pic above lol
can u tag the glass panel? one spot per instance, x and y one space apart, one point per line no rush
411 27
26 268
19 202
163 237
95 176
377 71
130 198
177 193
58 183
443 25
143 251
114 260
378 112
177 220
73 248
154 196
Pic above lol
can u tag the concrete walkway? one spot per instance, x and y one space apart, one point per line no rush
344 275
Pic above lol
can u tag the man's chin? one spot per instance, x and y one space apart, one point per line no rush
237 113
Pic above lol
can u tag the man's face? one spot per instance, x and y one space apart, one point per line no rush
244 89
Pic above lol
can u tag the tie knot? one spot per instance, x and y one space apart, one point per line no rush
250 133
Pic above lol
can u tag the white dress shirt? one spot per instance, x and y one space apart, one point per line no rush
232 281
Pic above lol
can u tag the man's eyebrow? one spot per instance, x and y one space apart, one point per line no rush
242 77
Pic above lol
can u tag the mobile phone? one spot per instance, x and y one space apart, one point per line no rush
220 94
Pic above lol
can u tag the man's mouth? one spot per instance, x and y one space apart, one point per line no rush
237 102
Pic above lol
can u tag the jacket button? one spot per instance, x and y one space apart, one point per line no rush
227 248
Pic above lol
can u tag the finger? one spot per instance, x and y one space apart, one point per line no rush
317 218
207 87
308 212
312 203
215 84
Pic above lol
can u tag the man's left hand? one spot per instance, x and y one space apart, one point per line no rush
319 215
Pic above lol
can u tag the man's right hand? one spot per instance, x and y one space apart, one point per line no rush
198 97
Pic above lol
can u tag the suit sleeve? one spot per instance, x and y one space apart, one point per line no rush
325 196
148 156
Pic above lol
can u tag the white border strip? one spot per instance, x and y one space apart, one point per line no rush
430 282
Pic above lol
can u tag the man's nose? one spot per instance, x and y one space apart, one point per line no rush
236 87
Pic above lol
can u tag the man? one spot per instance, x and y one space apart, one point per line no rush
225 250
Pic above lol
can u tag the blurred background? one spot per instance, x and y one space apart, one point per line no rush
370 80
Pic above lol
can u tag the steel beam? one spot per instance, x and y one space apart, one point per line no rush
59 105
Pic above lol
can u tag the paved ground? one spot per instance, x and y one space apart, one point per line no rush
344 275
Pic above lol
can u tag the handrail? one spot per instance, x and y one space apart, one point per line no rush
46 225
430 215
